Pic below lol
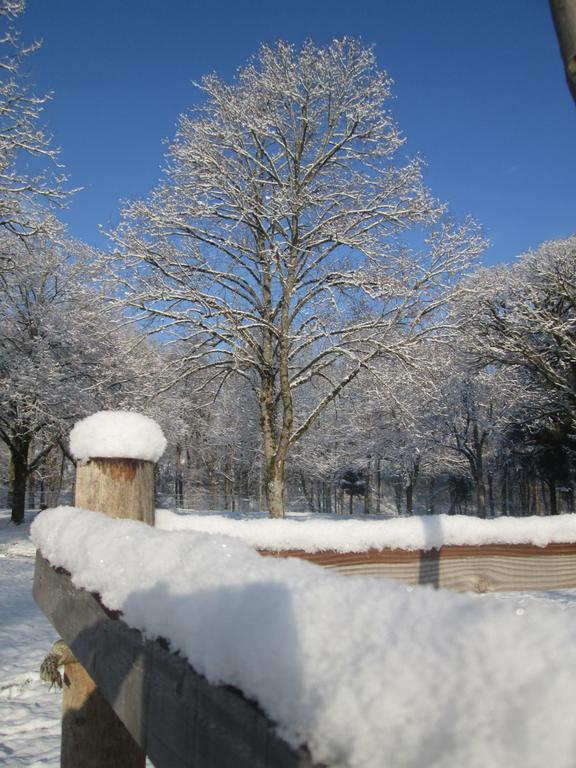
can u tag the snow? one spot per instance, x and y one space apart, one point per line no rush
117 434
29 711
363 671
342 535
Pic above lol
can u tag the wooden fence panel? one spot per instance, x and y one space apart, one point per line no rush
485 568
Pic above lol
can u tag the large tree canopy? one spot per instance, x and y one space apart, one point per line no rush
523 316
273 246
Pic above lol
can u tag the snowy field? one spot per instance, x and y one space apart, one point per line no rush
29 712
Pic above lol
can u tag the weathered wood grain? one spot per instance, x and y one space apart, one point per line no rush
173 713
486 568
117 487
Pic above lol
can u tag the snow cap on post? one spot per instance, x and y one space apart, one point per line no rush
117 435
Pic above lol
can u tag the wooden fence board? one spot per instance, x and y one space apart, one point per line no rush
177 717
485 568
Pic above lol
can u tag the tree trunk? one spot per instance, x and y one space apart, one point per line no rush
525 490
491 495
431 490
540 502
452 494
327 498
397 485
564 15
308 494
275 489
570 500
178 482
19 457
275 448
42 484
477 466
480 496
229 484
553 497
411 485
409 499
504 501
368 489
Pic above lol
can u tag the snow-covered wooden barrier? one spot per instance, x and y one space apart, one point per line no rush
126 697
352 672
447 552
364 672
172 713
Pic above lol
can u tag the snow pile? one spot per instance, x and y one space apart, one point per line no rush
118 435
365 672
409 533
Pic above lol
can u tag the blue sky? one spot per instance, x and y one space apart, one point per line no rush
479 93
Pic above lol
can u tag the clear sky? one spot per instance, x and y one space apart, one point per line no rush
479 93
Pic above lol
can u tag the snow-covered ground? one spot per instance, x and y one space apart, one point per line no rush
29 712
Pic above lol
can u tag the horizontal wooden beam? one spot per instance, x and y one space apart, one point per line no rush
484 568
177 717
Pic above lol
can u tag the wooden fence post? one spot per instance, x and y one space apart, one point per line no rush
92 734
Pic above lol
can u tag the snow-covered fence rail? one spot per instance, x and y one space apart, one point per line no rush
360 671
175 716
125 697
444 551
364 672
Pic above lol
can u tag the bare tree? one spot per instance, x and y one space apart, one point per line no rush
272 247
523 317
63 354
29 172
